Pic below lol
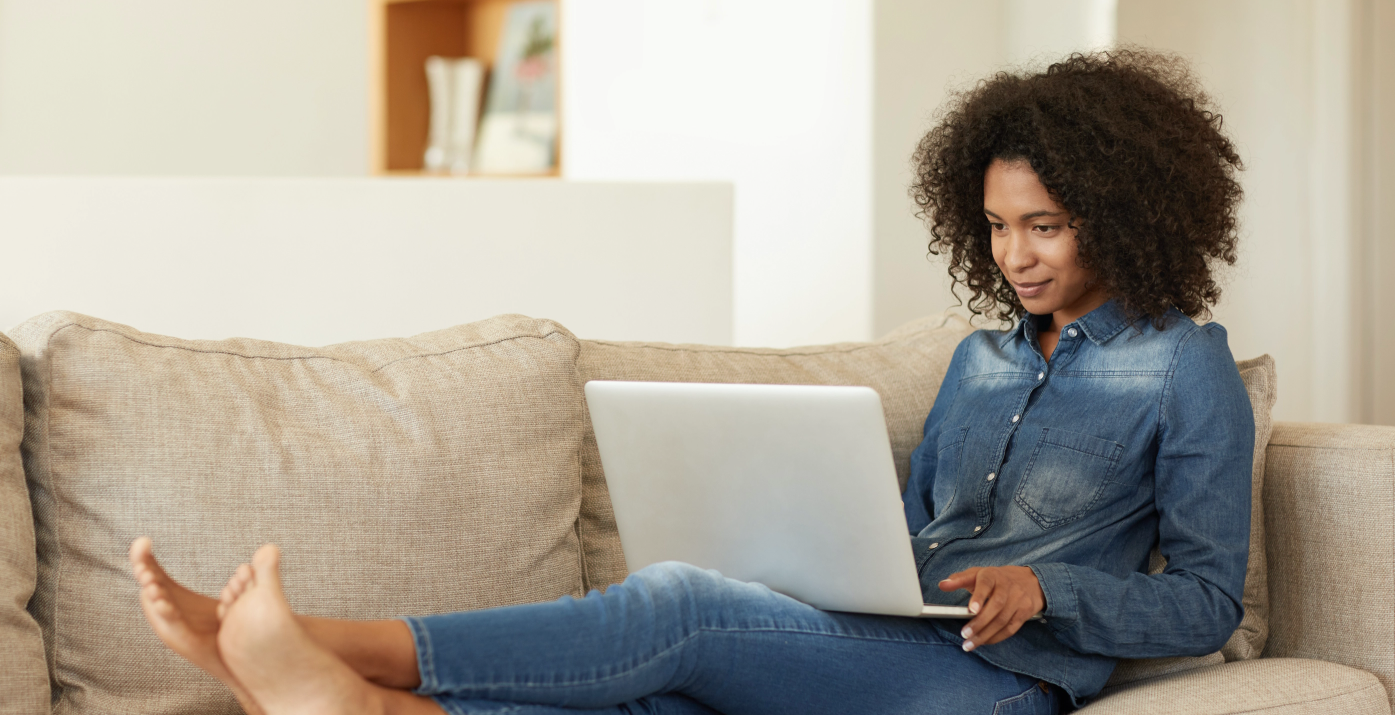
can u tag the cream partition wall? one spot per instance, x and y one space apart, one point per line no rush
319 261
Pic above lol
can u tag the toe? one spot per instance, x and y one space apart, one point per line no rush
165 609
140 549
143 559
266 565
159 602
237 584
241 578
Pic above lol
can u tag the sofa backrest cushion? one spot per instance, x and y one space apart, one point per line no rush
1261 381
905 368
23 675
402 476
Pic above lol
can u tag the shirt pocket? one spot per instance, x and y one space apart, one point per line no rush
1066 476
947 457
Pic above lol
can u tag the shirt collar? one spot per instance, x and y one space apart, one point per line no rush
1099 325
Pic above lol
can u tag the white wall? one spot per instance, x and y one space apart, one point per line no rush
924 50
1378 402
318 261
736 90
1294 83
811 108
771 96
1042 31
245 87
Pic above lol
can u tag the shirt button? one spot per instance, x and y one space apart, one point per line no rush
1073 332
935 545
992 476
1040 375
1015 418
977 529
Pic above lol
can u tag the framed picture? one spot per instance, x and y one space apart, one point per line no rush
518 133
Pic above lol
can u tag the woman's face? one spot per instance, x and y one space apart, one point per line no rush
1034 244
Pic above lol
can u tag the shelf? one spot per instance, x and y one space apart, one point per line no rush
404 34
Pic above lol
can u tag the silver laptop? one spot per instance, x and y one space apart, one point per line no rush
789 486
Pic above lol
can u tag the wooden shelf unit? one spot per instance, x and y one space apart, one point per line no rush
406 32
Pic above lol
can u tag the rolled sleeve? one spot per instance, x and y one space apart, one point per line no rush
1062 606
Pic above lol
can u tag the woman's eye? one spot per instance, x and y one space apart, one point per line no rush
1044 229
997 226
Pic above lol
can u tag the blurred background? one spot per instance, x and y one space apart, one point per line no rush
790 122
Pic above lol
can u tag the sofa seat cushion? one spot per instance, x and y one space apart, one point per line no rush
402 476
905 368
1273 686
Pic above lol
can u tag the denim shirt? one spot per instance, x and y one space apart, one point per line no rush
1131 437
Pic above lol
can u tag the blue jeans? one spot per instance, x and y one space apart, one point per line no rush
675 639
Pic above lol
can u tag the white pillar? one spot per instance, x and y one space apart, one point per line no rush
772 96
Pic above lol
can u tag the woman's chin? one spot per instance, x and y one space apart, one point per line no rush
1038 305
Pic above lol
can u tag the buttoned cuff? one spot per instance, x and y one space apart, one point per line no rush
1062 606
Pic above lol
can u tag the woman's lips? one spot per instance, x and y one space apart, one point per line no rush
1029 290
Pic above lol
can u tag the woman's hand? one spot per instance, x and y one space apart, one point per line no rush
1004 597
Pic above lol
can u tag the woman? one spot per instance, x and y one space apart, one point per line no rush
1087 204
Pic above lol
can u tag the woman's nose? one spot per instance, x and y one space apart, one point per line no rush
1017 255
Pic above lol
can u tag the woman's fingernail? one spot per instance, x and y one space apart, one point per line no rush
968 646
973 607
966 633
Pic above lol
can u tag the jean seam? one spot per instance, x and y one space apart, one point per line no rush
426 656
997 707
449 707
706 629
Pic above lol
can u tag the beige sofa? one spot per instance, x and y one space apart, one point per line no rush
456 470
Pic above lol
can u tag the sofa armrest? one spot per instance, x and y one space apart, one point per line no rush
1329 505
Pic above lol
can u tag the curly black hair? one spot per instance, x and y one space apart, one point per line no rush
1123 139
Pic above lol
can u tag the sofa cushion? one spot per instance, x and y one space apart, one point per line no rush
1273 686
23 675
1329 493
905 368
1248 639
402 476
1261 381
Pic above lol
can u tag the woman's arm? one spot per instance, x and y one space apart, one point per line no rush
1202 479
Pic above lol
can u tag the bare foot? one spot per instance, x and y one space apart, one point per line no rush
272 655
185 621
381 652
236 585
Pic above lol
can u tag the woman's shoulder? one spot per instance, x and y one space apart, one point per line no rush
1176 333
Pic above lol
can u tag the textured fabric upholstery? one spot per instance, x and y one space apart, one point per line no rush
479 431
23 675
905 367
1329 500
1248 641
1273 686
402 476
